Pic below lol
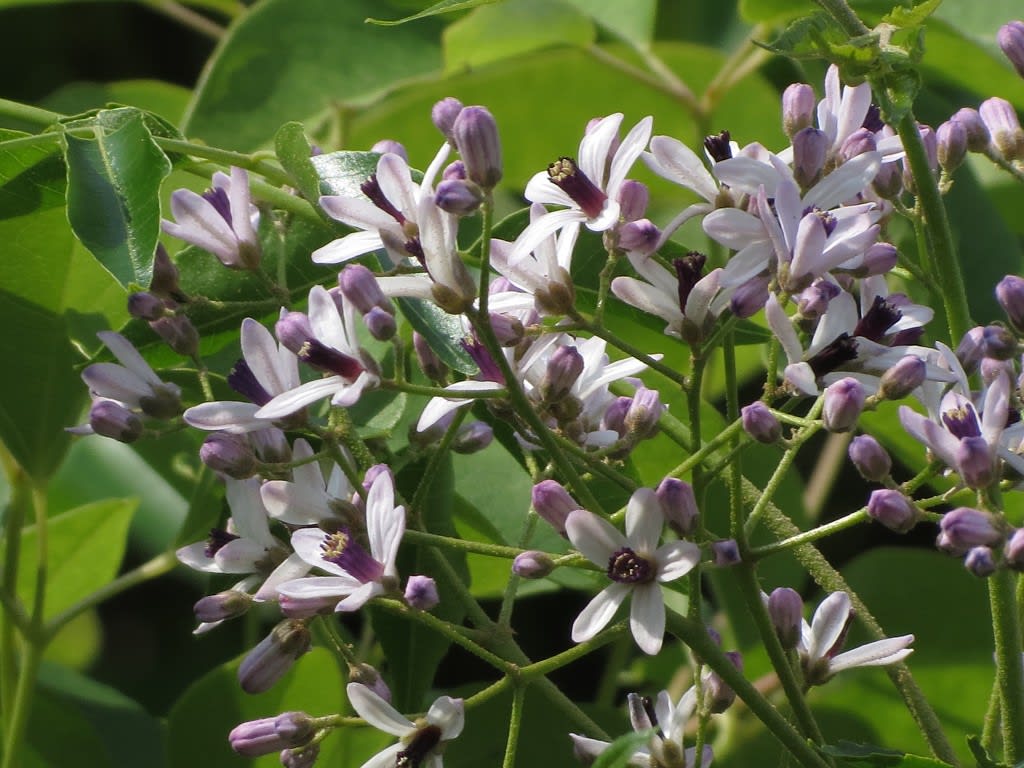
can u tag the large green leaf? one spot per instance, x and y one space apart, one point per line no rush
632 22
113 185
85 547
164 99
445 6
292 61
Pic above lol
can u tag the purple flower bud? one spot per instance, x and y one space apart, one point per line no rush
564 367
430 363
725 553
858 143
532 564
113 420
760 423
633 197
1003 126
810 148
892 509
144 305
931 145
815 298
641 419
888 182
991 369
178 333
222 606
980 561
306 607
870 458
380 324
999 343
971 349
421 593
844 402
974 462
229 454
639 236
508 329
271 734
371 678
750 297
964 528
1014 550
785 608
1011 40
359 285
678 505
274 656
385 146
903 378
476 137
1010 294
300 758
615 415
473 437
879 259
978 137
455 171
719 695
293 331
165 275
952 138
798 103
443 115
461 198
553 503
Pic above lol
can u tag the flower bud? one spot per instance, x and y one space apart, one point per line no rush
359 285
641 419
274 656
879 259
165 275
870 458
971 349
293 331
785 609
892 509
110 419
178 333
1014 550
507 329
725 553
563 369
760 423
639 236
1011 40
810 149
1010 294
390 146
750 297
991 369
430 363
300 758
144 305
461 198
718 694
421 592
980 561
1003 126
999 343
964 528
455 171
974 462
473 437
902 378
366 675
443 115
858 143
532 564
678 505
952 138
553 503
380 324
222 606
633 198
844 402
814 299
476 137
978 137
229 454
271 734
615 415
798 103
888 182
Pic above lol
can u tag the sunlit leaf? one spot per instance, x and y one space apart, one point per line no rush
445 6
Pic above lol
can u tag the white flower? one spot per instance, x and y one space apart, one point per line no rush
133 383
358 575
222 221
588 187
265 370
822 639
306 499
635 564
422 742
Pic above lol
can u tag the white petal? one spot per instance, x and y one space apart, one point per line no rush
307 544
647 617
596 145
377 712
942 443
438 407
240 204
676 559
599 611
543 227
386 758
783 329
360 596
396 183
262 355
801 376
357 213
449 714
295 503
629 150
734 228
588 747
294 399
236 418
129 356
318 587
348 247
673 160
648 299
845 182
247 510
828 623
385 523
413 286
747 174
194 556
239 556
594 537
644 521
114 382
293 567
876 654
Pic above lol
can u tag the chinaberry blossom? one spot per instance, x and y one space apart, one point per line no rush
421 743
635 564
307 499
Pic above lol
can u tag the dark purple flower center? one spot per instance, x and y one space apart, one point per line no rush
218 198
627 567
414 248
906 337
489 370
319 355
648 705
371 188
423 743
873 119
244 382
842 350
719 146
217 539
962 421
689 269
877 320
345 552
566 175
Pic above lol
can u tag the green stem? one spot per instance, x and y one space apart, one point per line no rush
842 13
225 157
806 537
28 114
487 211
462 545
508 598
1009 671
633 351
187 17
515 723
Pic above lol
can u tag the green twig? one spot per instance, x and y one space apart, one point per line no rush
1009 671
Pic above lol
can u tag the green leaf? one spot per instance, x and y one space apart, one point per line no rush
911 17
632 22
377 413
85 547
342 173
113 193
253 83
774 11
442 331
294 153
445 6
513 28
160 98
850 753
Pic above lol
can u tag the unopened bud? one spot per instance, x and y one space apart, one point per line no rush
892 509
870 458
810 148
553 503
971 349
974 462
390 146
165 275
879 259
443 115
725 553
678 505
222 606
473 437
980 561
359 285
1011 40
978 137
1003 126
719 695
274 656
903 378
304 757
271 734
144 305
532 564
476 137
455 171
814 299
113 420
760 423
507 329
430 363
563 369
293 331
461 198
952 138
844 402
615 415
999 343
798 103
964 528
421 592
750 297
178 333
858 143
229 454
633 198
644 412
639 236
380 324
785 609
366 675
888 182
1014 550
1010 294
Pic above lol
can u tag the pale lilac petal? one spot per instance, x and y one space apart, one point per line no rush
648 299
385 759
293 567
129 356
194 556
606 219
676 559
595 146
651 271
644 521
673 160
396 183
997 404
942 443
594 537
295 503
588 747
240 204
113 382
749 262
291 401
810 244
599 611
262 355
801 376
747 175
629 150
348 247
781 326
828 623
247 510
385 523
377 712
647 617
853 109
199 223
360 596
356 212
307 544
315 588
876 654
733 228
544 227
541 190
699 301
348 394
236 418
845 182
239 556
439 407
449 715
411 286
